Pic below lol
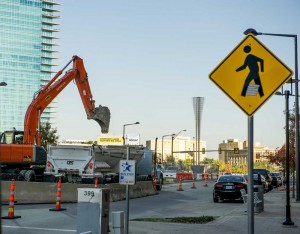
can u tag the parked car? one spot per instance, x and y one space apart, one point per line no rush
111 178
171 172
266 174
277 179
259 180
228 187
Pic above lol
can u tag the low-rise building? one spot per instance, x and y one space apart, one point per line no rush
229 155
183 148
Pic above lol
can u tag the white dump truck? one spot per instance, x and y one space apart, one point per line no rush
83 164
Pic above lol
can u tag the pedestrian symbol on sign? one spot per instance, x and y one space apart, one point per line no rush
251 62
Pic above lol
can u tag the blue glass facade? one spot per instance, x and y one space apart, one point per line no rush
27 55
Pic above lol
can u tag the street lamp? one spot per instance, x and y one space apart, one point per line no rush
3 83
288 220
173 137
254 32
162 147
124 130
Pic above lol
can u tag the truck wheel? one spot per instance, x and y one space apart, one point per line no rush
21 176
159 186
30 176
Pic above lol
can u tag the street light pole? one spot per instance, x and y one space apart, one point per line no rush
173 137
288 220
254 32
124 130
172 147
162 147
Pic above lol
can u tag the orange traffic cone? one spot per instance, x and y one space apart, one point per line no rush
11 207
180 185
205 181
58 196
193 181
96 182
154 183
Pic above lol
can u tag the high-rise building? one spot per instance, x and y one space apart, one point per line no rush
27 55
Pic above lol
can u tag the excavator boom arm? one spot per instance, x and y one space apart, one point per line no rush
52 89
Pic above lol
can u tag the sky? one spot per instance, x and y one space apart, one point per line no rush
146 60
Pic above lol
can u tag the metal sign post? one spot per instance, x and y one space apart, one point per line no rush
250 205
127 198
250 62
127 177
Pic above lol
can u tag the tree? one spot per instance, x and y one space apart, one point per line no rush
280 156
48 135
169 160
181 164
221 165
228 167
188 164
207 161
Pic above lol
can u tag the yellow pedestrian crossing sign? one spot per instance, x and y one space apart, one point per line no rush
250 74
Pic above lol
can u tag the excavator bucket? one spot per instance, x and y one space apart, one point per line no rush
102 117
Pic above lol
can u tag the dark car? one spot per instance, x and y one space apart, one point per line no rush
111 178
265 173
228 187
259 180
277 179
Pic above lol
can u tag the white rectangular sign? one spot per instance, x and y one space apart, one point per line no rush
92 195
127 172
132 139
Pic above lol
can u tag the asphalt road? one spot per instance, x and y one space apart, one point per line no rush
37 219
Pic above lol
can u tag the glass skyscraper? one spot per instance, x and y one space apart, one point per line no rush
27 56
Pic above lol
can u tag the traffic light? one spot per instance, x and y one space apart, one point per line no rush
203 150
236 151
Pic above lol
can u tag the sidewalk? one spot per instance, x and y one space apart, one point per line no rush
267 222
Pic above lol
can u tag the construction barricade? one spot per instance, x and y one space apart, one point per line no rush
184 175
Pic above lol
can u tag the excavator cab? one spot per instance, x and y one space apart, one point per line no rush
12 137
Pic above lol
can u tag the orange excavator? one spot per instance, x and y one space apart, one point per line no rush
21 155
